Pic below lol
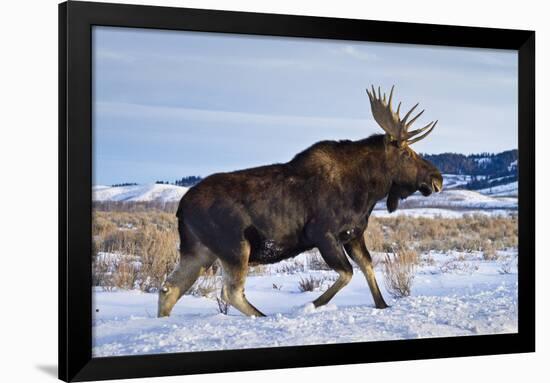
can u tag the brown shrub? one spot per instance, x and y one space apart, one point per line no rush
399 272
489 251
257 270
205 286
311 283
374 236
126 275
316 262
468 233
290 268
458 266
101 273
150 238
508 265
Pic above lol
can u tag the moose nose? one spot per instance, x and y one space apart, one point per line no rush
437 183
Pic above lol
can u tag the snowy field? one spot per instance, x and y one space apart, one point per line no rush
441 212
453 294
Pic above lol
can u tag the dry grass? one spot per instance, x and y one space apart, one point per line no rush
399 271
470 233
148 238
290 268
257 270
458 265
316 262
489 251
374 236
223 306
143 243
206 286
312 283
508 265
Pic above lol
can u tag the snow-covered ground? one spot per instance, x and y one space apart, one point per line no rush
459 199
510 189
453 181
441 212
453 294
452 203
138 193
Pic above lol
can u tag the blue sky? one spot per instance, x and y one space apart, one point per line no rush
169 104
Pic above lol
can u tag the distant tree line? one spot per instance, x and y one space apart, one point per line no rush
124 184
484 182
486 169
184 181
188 181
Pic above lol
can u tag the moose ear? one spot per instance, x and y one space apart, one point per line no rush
390 140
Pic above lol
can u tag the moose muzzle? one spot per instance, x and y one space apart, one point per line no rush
434 185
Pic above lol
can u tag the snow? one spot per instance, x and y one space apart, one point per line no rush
472 297
139 193
455 199
483 160
465 199
441 213
510 189
100 187
456 181
453 181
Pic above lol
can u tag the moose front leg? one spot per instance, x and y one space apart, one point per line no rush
333 254
357 250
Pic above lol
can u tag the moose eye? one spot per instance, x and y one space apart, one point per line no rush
165 289
407 154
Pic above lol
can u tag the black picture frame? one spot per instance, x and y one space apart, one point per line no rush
75 190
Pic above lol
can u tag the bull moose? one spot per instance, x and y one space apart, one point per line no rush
321 199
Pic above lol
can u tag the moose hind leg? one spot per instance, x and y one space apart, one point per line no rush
182 278
334 256
234 277
360 254
189 269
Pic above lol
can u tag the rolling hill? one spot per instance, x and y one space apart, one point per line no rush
138 193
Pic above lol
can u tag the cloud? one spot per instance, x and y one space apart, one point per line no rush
109 55
175 61
173 114
352 51
499 59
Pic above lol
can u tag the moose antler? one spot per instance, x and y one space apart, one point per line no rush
390 121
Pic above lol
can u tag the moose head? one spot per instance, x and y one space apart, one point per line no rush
410 171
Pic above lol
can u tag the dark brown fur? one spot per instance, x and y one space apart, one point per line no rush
321 199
